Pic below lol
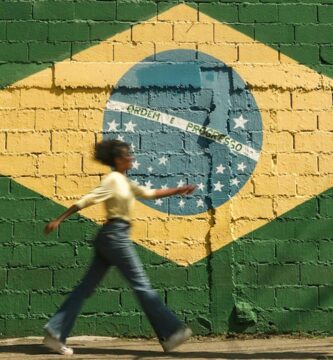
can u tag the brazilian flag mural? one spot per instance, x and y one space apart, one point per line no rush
233 97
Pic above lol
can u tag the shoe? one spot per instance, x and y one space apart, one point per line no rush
176 339
57 346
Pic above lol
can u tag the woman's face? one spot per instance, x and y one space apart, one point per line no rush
124 162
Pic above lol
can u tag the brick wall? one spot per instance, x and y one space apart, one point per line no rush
259 263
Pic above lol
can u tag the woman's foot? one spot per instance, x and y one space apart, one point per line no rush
57 346
176 339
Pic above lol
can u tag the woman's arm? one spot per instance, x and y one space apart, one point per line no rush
52 225
186 189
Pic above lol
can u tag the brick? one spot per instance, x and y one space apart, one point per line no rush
57 119
313 141
9 98
254 251
315 274
72 141
325 14
2 30
312 33
319 99
325 250
101 52
92 10
41 98
68 277
274 33
165 277
102 302
257 53
299 13
263 297
17 119
65 164
4 185
246 274
195 32
273 99
68 31
303 53
228 34
252 208
129 52
132 11
10 10
326 54
198 275
45 303
229 51
325 206
28 327
258 13
29 279
18 209
314 229
296 251
275 274
188 299
47 210
220 12
152 32
103 30
180 12
296 120
325 121
53 255
297 297
28 142
15 255
53 10
325 298
13 51
27 30
325 164
47 52
75 185
121 325
31 231
14 304
114 280
85 99
130 302
275 185
3 278
301 163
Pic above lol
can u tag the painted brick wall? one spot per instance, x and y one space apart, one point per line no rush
262 264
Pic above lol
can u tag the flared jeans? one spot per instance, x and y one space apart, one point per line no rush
113 247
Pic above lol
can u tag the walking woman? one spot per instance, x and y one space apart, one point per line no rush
113 247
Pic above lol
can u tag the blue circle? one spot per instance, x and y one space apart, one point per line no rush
200 89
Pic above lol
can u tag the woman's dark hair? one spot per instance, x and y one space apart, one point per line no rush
107 150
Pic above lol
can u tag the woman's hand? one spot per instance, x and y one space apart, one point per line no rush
52 225
186 189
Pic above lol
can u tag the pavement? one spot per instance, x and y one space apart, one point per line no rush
102 348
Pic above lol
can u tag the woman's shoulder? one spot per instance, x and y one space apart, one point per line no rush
112 176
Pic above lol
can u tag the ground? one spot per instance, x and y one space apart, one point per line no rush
100 348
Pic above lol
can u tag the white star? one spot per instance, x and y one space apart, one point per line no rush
148 184
218 186
234 182
241 166
180 183
220 169
164 186
162 160
181 203
158 202
240 122
113 125
130 126
136 164
150 169
120 137
200 203
132 147
201 186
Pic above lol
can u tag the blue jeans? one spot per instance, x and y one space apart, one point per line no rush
114 248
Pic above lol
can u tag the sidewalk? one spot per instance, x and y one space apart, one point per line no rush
100 348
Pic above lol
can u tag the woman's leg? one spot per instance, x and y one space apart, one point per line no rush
119 250
61 324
